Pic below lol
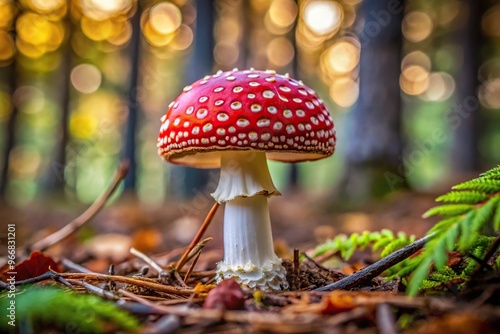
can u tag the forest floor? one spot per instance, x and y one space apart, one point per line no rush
130 254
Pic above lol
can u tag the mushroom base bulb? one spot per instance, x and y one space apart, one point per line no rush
249 256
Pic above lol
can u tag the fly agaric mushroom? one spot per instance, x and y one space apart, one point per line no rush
234 120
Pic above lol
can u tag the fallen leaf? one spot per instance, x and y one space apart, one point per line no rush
36 265
337 302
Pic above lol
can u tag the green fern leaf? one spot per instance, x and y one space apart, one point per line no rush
395 245
493 174
448 210
419 275
484 185
465 197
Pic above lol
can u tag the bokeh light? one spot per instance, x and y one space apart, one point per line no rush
280 52
491 21
7 48
417 26
344 91
86 78
343 56
441 87
165 18
414 79
489 93
99 10
322 17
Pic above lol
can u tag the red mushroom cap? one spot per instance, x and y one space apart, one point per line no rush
246 110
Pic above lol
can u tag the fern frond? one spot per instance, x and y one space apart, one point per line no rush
469 209
463 197
483 185
447 210
385 240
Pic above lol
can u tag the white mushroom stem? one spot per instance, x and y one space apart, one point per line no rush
249 257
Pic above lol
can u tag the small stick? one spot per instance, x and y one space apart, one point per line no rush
94 289
316 263
191 268
197 237
367 274
180 280
385 319
489 253
85 217
162 274
75 267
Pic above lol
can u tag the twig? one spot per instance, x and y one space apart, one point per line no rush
385 319
180 280
85 217
367 274
162 274
489 253
316 263
75 267
191 268
95 290
197 237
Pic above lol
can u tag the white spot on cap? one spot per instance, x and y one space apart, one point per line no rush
256 107
300 113
287 113
230 78
201 113
302 91
177 121
176 104
321 117
265 136
222 116
309 105
253 136
263 122
282 98
162 119
204 140
251 95
270 71
309 127
242 135
221 131
297 100
301 127
219 102
186 124
253 75
270 79
171 104
236 105
190 110
314 120
285 89
272 109
268 94
207 127
195 130
237 89
218 89
278 126
233 140
290 129
282 138
275 139
316 103
187 88
254 84
202 82
203 99
242 122
232 129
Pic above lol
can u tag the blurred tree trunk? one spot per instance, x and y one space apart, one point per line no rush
465 157
186 182
10 132
129 152
373 142
53 181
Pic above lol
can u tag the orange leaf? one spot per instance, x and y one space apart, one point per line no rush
337 302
